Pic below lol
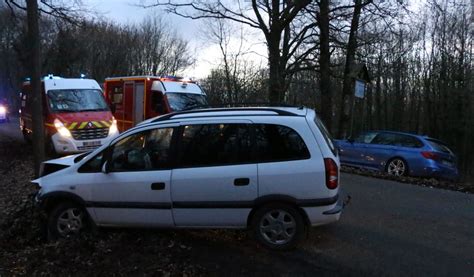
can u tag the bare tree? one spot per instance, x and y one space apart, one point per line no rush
272 17
36 97
32 8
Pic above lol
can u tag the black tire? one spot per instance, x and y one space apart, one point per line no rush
26 136
67 220
50 150
397 167
290 235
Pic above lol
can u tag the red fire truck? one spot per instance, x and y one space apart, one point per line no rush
75 115
136 98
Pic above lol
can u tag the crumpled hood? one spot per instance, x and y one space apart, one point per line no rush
68 160
62 163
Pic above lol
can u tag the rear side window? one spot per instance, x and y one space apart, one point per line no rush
214 145
439 146
326 134
397 140
409 141
278 143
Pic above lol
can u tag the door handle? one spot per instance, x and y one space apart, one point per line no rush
158 186
241 182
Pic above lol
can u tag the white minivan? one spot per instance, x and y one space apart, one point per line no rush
273 170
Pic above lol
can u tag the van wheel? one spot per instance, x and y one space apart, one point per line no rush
50 150
278 226
67 220
26 136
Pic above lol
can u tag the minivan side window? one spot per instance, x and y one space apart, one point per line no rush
214 145
148 150
93 165
278 143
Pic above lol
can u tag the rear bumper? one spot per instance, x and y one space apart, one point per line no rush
326 214
337 209
439 172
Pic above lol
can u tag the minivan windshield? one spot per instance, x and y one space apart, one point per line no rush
76 100
186 101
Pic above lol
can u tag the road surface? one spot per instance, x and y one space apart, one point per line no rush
389 229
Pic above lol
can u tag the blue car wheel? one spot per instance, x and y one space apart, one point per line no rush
397 167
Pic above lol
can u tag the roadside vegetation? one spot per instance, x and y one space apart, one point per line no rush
419 58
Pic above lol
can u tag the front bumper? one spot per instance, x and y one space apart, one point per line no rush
64 145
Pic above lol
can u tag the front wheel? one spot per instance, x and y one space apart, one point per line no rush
278 226
67 220
397 167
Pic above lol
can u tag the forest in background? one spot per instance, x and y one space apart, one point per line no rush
420 62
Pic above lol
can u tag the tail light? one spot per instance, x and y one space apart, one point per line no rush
332 173
429 155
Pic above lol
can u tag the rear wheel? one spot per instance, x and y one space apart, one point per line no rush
278 226
67 220
397 167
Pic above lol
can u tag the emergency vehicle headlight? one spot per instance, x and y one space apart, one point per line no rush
3 109
113 127
63 131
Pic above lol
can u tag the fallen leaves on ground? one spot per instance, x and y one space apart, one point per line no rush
425 182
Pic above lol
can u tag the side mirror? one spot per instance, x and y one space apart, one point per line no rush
105 168
112 107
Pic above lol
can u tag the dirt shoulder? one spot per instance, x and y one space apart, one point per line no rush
466 187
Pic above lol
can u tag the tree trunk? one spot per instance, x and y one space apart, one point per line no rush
276 81
325 63
36 97
378 93
347 91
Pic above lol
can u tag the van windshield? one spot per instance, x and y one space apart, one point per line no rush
186 101
76 100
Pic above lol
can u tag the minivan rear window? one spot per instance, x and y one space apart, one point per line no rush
326 134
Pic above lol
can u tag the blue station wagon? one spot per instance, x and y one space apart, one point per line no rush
398 154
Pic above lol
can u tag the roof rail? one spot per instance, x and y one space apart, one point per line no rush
253 104
170 115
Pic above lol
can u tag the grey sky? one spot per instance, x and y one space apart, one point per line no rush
126 12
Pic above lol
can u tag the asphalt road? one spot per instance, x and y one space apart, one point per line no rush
388 229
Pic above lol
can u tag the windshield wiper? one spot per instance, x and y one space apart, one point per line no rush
195 107
93 110
67 110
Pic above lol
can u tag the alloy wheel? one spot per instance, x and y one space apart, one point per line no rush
70 222
396 167
277 227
